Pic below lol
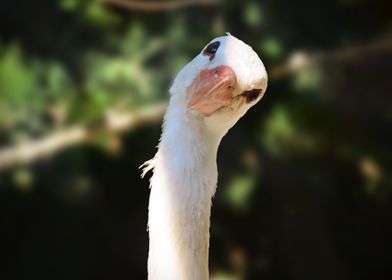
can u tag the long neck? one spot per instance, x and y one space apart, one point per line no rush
184 181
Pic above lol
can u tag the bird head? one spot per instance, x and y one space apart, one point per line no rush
221 83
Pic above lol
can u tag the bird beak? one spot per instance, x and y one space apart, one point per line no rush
212 90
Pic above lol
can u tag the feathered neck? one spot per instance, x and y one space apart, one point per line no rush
184 181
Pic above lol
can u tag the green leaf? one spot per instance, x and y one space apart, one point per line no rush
272 48
70 5
253 14
239 191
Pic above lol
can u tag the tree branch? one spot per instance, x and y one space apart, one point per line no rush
300 60
158 6
117 122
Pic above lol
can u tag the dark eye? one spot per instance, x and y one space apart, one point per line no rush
211 49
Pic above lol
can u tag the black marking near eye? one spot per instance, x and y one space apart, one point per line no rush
211 49
251 95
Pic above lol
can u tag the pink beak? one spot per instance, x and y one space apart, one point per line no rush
212 90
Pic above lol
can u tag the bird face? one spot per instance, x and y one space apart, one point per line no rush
222 83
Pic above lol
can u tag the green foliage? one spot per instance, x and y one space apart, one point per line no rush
239 192
93 12
18 83
282 134
70 5
272 48
23 178
17 80
124 77
253 14
308 79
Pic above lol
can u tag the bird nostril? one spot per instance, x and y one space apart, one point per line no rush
251 95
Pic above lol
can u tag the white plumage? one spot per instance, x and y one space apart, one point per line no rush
208 96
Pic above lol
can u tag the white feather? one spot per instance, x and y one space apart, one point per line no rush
185 171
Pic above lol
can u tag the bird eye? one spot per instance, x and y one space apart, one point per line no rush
251 95
211 49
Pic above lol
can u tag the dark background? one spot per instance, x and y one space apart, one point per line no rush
305 178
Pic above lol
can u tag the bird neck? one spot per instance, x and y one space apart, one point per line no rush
184 181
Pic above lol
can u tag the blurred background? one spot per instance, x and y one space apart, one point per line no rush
305 182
